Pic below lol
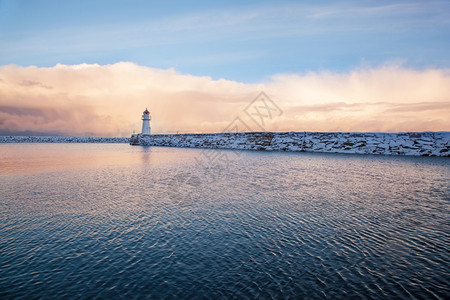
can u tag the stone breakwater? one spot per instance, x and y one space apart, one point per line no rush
62 139
408 143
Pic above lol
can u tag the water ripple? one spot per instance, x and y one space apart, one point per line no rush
267 225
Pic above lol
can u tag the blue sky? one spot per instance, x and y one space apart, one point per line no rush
244 41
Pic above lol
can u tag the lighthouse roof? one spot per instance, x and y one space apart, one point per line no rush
146 112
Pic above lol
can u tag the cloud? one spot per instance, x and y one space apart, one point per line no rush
107 100
34 83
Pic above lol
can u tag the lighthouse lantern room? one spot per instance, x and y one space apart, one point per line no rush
146 122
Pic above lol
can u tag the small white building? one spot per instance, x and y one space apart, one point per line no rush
146 122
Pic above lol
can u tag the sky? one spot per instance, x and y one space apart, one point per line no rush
91 67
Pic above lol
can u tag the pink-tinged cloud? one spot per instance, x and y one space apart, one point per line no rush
108 100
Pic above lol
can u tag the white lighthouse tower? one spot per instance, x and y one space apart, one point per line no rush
146 122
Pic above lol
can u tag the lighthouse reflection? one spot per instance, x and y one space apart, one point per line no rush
145 154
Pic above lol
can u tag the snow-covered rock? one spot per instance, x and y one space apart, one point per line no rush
405 143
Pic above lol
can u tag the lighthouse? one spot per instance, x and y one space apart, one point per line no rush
146 122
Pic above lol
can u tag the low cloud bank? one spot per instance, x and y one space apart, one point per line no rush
94 100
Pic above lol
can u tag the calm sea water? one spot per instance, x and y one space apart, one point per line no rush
117 221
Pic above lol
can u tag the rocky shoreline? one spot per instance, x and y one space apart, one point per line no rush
407 143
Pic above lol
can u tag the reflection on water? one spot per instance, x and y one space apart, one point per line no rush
36 158
107 220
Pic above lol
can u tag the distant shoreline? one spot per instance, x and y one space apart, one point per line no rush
62 139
